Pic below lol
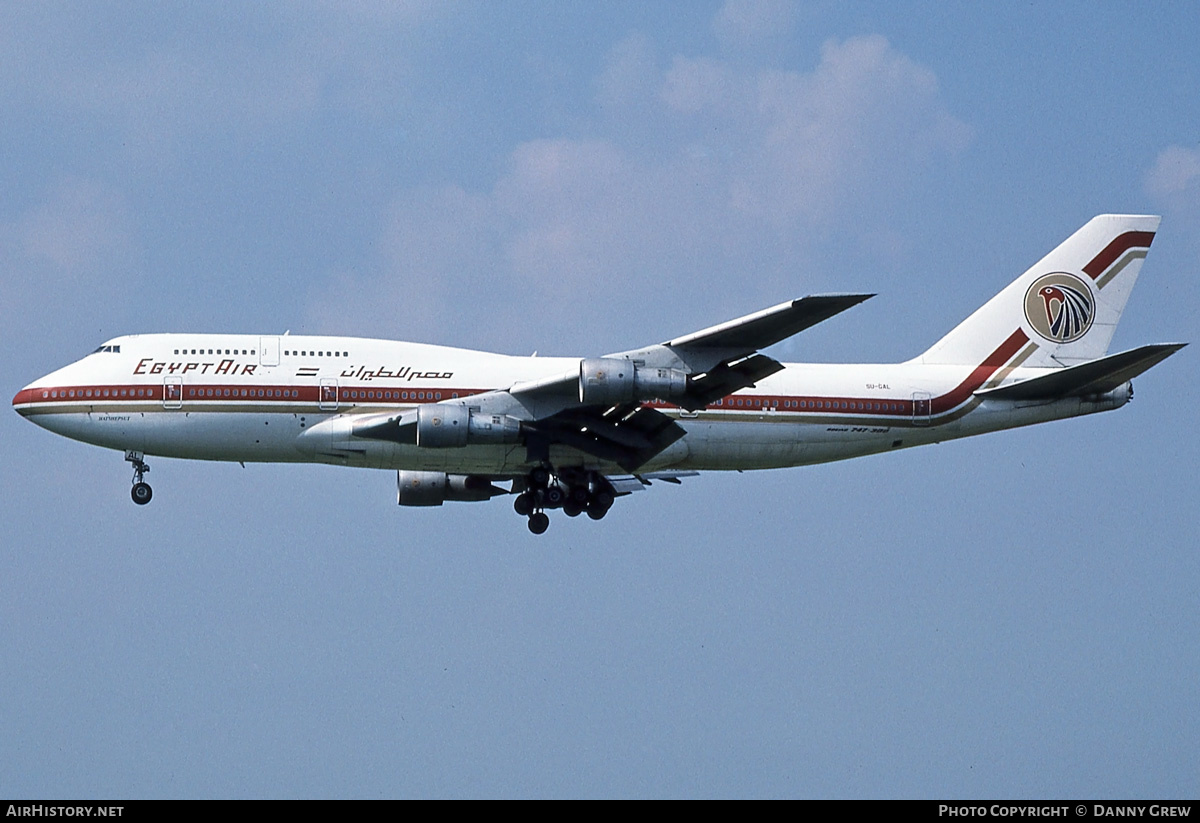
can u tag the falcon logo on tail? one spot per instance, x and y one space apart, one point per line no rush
1060 307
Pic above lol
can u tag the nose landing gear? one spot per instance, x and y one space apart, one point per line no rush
141 491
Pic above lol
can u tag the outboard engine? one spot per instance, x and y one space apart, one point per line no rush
435 488
607 381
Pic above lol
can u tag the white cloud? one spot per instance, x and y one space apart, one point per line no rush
1174 184
695 85
628 76
437 259
79 227
751 22
1176 174
70 256
182 77
749 165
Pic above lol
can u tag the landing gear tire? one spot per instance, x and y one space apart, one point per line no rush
523 505
539 477
539 522
599 504
555 496
572 509
141 493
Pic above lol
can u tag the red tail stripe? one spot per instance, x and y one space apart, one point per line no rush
1005 352
1120 245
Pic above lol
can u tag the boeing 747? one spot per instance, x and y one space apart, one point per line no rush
575 433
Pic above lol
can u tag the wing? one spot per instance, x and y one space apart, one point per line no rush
769 326
724 358
601 408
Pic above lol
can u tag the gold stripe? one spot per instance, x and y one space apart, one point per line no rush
1115 269
1014 364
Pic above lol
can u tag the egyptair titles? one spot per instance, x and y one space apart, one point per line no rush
148 365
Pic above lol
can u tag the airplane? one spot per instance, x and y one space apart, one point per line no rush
576 433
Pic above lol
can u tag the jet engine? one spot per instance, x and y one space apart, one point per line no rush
448 426
435 488
607 381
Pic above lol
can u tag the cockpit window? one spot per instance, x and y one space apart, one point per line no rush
113 349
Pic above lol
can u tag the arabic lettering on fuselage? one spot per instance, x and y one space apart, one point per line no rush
402 373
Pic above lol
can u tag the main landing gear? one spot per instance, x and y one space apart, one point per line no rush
141 491
575 492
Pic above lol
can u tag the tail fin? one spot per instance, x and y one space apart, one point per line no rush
1066 307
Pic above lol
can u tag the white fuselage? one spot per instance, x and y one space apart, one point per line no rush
296 399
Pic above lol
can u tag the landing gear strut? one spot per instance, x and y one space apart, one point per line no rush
574 491
141 491
537 495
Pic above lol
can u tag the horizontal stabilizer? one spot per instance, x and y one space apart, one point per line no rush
1084 379
769 326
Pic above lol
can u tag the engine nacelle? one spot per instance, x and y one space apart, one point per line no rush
486 428
449 426
442 427
606 381
435 488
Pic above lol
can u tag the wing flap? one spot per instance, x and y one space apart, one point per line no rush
630 483
727 378
1090 378
628 435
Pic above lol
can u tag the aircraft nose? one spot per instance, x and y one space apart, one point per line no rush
22 400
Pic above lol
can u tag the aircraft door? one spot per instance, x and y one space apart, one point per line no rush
172 392
268 351
922 408
328 398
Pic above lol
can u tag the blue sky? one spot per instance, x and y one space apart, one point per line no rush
1014 615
